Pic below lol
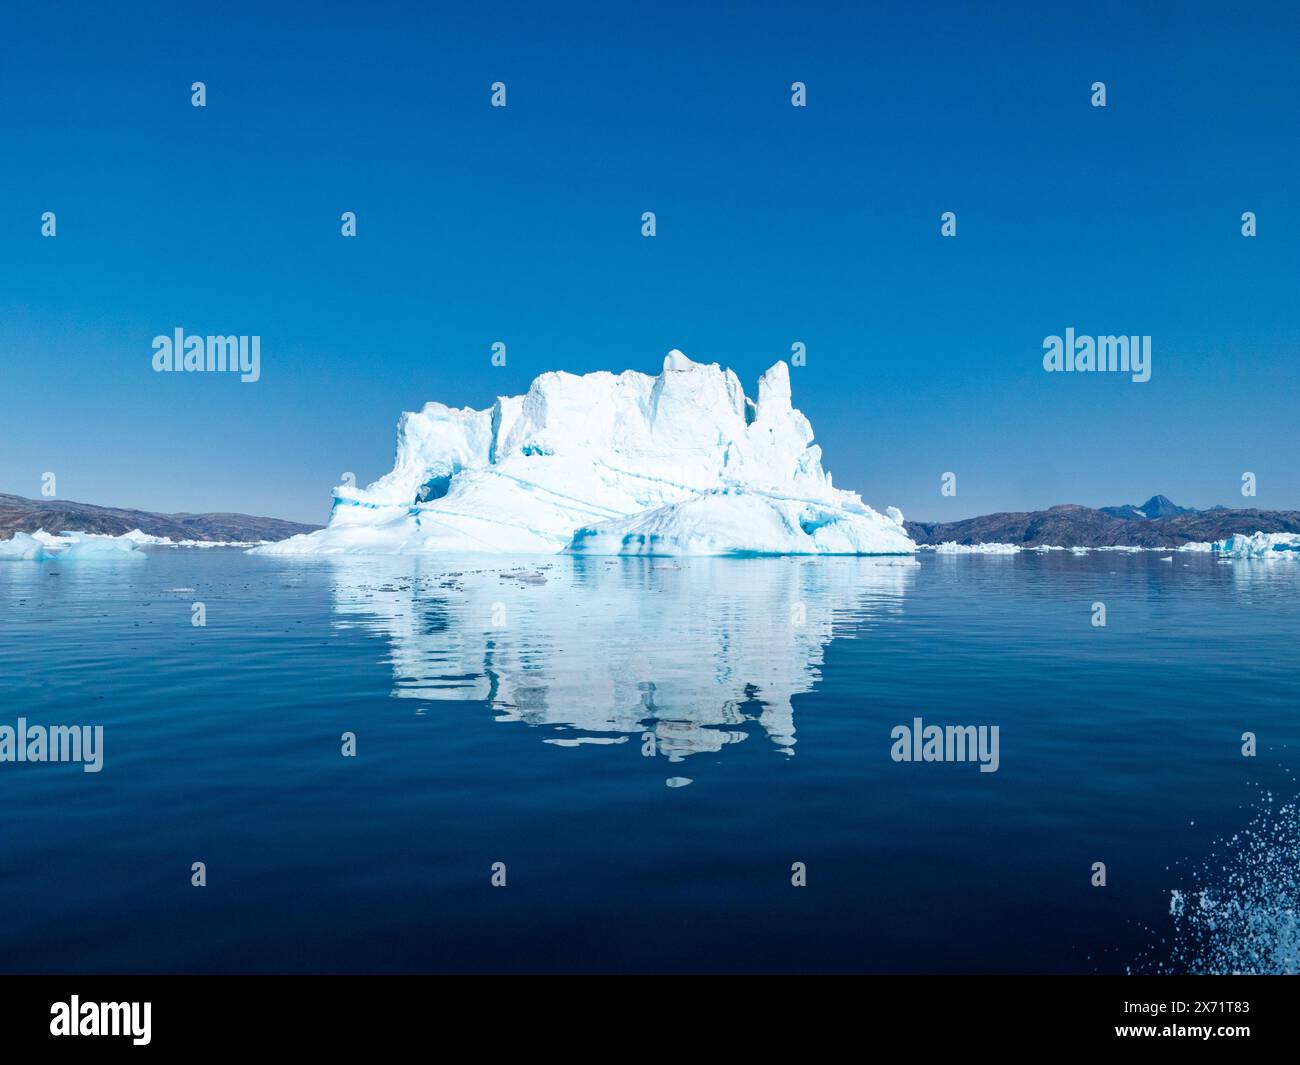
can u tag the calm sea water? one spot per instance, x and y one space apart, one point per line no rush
648 746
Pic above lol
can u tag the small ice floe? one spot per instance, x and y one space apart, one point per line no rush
678 782
533 577
578 741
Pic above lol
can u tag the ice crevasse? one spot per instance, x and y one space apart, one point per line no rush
682 463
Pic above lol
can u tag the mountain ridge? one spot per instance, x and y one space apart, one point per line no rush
1074 525
20 514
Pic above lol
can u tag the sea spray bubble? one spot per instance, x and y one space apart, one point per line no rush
1239 912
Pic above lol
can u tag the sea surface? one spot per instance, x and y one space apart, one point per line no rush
654 750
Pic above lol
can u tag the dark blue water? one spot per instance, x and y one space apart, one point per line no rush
534 713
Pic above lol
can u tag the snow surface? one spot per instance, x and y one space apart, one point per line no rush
617 464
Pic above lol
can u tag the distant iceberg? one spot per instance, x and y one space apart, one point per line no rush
39 546
614 464
22 546
1259 545
951 547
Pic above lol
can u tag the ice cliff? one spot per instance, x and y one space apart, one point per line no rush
679 464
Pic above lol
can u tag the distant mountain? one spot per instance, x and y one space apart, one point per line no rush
1155 507
1075 526
56 515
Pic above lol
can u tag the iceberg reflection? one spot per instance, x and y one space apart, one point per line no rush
692 650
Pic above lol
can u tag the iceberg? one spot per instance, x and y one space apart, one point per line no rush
22 546
683 463
144 539
40 546
1259 545
951 547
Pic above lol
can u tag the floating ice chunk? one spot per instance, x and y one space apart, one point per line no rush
99 545
23 546
679 463
951 547
41 545
89 546
1260 545
144 539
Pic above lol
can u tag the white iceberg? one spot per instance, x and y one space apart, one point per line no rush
951 547
679 464
40 546
144 539
22 546
1260 545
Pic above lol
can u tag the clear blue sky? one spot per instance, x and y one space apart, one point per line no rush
776 224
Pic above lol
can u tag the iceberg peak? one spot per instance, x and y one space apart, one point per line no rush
679 463
774 395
